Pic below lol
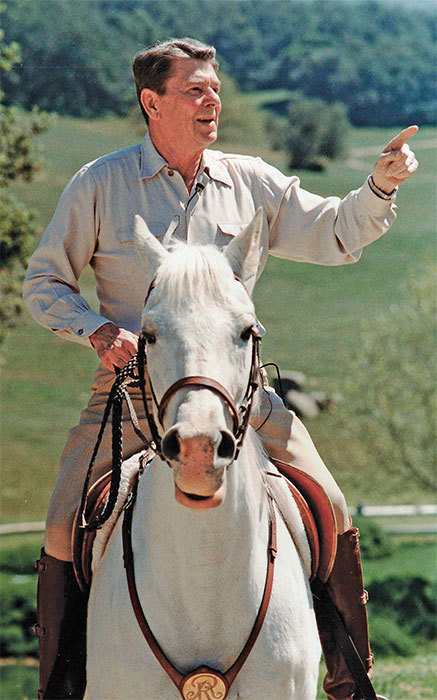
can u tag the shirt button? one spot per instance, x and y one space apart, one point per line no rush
80 331
170 173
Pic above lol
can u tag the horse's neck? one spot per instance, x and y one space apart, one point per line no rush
204 546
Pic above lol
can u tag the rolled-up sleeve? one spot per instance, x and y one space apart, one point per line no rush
51 291
323 230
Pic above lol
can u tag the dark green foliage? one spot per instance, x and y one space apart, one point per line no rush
315 131
18 599
18 560
17 162
389 639
75 61
17 615
374 542
77 56
410 601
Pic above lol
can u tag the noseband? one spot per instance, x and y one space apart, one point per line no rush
240 416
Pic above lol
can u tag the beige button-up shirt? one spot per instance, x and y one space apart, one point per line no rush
94 223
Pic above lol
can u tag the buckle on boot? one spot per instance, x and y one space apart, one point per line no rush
40 567
364 598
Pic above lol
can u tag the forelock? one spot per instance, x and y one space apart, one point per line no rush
194 272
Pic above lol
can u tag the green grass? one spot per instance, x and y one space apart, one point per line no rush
399 679
312 315
404 679
412 558
19 680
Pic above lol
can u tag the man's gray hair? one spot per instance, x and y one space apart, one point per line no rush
153 66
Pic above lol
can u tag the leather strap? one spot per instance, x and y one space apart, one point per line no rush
197 380
176 676
326 609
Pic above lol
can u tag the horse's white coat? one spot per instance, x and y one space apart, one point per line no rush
200 573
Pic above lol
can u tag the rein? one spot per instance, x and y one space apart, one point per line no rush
203 678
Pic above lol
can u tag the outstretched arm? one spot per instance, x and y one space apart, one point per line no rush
396 163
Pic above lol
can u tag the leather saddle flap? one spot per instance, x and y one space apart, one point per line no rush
318 516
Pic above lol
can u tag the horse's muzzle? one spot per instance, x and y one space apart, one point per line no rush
213 449
199 462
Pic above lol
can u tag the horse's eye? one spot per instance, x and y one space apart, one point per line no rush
150 338
245 335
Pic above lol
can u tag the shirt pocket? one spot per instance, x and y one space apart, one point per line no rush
226 232
125 236
130 265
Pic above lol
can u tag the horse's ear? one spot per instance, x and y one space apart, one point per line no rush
151 250
244 252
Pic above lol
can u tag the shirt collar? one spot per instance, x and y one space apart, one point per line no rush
152 163
214 167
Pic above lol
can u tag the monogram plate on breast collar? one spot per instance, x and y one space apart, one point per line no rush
204 684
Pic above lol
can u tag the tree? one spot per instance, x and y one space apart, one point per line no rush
77 55
16 222
315 131
390 407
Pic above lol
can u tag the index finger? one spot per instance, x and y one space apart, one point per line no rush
398 141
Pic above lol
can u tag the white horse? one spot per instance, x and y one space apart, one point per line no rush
200 530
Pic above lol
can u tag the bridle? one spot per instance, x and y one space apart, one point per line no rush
240 415
127 377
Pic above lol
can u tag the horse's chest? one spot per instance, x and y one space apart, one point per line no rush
209 633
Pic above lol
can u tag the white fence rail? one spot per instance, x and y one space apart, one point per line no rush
389 511
17 528
394 511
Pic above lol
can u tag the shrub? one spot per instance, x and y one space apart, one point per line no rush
390 405
374 542
18 560
388 638
17 616
410 601
315 131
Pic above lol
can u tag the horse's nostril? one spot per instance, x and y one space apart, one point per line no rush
226 448
170 445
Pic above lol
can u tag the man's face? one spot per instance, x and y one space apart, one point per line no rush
187 114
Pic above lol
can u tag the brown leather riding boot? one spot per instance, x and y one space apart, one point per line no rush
345 589
61 628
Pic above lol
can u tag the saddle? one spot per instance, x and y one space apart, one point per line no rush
313 503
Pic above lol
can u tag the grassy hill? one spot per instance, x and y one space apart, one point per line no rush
312 314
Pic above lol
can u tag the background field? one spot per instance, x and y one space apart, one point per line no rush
313 314
313 317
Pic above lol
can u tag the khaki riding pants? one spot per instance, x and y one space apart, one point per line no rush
283 436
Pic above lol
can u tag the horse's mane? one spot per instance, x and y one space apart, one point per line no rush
197 272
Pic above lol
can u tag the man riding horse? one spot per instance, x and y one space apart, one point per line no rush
182 188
